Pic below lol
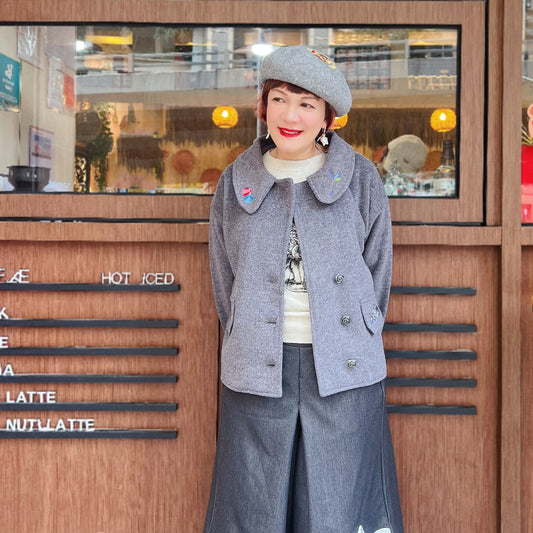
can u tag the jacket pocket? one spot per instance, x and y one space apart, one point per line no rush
372 316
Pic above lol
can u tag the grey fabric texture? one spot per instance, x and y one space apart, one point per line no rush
302 463
342 216
311 70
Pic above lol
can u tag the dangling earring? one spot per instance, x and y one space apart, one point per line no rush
323 140
268 135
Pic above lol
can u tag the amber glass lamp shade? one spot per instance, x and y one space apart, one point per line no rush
443 120
225 116
340 122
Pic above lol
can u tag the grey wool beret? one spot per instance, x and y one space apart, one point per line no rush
311 70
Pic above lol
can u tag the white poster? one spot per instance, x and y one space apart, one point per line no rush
56 83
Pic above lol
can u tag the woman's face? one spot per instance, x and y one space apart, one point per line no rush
294 121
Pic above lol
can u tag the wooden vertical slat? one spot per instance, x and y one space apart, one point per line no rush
510 508
494 117
527 388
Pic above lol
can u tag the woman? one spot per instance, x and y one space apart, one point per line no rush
300 250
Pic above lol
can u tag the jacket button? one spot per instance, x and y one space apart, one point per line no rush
339 278
345 320
351 363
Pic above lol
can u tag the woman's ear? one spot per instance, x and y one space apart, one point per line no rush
329 125
329 117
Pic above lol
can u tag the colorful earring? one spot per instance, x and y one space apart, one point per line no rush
323 140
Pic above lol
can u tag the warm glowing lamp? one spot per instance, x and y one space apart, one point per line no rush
340 122
443 120
225 116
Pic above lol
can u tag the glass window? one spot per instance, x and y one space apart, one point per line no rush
164 109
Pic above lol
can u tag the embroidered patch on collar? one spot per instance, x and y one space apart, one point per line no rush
334 178
247 193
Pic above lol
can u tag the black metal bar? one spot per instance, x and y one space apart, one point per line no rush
174 287
429 328
431 382
88 350
85 323
89 406
88 287
88 378
448 291
155 434
451 355
432 409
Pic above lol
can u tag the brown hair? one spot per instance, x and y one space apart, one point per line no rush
329 115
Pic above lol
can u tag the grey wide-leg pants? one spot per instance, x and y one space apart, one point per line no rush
302 463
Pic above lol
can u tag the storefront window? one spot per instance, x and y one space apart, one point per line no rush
527 114
148 109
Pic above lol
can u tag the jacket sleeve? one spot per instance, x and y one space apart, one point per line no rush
378 245
221 271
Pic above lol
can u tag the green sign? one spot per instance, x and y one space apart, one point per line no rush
9 81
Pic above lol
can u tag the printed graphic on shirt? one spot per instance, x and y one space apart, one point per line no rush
294 271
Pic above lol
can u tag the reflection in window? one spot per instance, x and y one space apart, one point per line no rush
165 109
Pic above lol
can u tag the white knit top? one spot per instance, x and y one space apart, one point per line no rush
297 322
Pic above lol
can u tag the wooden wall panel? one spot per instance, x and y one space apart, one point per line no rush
105 232
123 486
447 464
78 206
235 11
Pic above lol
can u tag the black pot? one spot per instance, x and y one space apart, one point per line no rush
30 179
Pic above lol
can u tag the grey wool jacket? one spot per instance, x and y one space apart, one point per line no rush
343 221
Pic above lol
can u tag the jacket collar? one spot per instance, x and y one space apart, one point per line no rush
252 181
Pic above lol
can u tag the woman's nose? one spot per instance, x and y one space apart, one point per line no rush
291 113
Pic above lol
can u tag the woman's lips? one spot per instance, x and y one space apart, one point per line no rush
289 133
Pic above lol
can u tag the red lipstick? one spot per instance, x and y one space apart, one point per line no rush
285 132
